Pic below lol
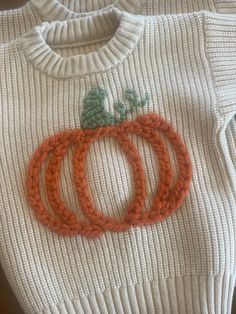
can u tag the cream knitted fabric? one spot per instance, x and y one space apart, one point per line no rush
186 64
14 23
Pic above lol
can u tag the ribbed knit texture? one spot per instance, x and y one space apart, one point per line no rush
225 81
184 264
155 7
230 136
181 294
225 6
14 23
86 6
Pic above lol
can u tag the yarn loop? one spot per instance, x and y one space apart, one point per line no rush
168 197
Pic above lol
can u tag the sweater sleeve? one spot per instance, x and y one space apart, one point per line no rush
220 32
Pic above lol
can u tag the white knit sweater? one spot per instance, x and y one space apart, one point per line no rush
14 23
186 65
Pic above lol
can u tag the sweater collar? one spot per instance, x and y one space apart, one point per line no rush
51 10
121 31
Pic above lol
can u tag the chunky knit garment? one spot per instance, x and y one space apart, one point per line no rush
95 101
14 23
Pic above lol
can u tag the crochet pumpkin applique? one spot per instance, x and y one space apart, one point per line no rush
98 123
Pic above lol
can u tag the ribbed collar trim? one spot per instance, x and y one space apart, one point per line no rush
51 10
121 30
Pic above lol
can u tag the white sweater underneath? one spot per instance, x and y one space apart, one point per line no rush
14 23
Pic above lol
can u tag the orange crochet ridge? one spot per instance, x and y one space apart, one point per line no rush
169 195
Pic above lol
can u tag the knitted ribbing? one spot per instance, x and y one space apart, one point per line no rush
14 23
39 44
184 263
224 75
230 144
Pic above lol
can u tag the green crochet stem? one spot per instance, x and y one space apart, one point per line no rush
95 115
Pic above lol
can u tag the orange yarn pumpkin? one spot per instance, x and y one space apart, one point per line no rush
167 198
98 123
